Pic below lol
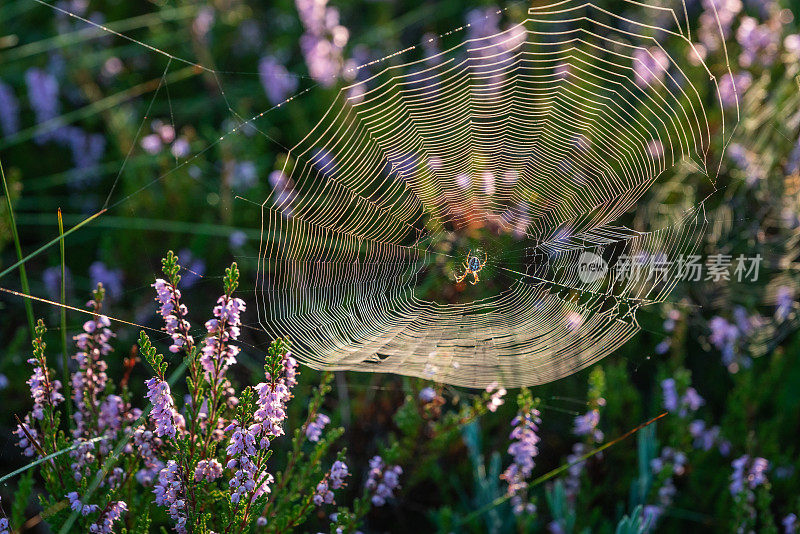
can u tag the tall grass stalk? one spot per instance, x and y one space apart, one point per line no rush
64 355
23 276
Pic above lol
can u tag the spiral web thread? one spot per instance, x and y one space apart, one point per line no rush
550 131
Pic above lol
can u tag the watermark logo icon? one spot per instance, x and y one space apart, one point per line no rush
591 267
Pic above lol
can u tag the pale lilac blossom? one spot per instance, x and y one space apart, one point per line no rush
650 66
9 110
382 480
43 98
496 399
218 353
784 302
208 470
586 425
427 395
110 278
170 494
315 427
748 474
163 413
524 449
789 524
732 88
112 513
173 313
76 504
759 43
278 82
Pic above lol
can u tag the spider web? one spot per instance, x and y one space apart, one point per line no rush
532 147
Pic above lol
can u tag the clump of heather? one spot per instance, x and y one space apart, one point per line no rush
382 480
524 449
750 489
202 464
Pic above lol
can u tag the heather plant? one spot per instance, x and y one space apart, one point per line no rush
201 465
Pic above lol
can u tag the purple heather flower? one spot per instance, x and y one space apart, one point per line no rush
789 524
731 88
4 527
247 443
51 277
76 504
793 165
163 413
146 444
217 352
323 160
170 494
322 494
382 480
338 473
151 143
83 455
245 175
87 149
717 15
110 278
724 336
784 301
180 148
586 425
283 193
496 399
43 98
427 395
3 381
28 449
111 514
691 400
315 428
169 298
323 41
523 449
649 66
247 478
193 268
663 347
278 82
759 43
677 461
237 239
704 438
670 393
334 479
45 392
748 474
89 381
9 110
209 470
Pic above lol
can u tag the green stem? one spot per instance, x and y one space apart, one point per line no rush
23 276
64 355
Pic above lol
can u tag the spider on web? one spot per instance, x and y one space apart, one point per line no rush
472 266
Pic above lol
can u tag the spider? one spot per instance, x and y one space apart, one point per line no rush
472 266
